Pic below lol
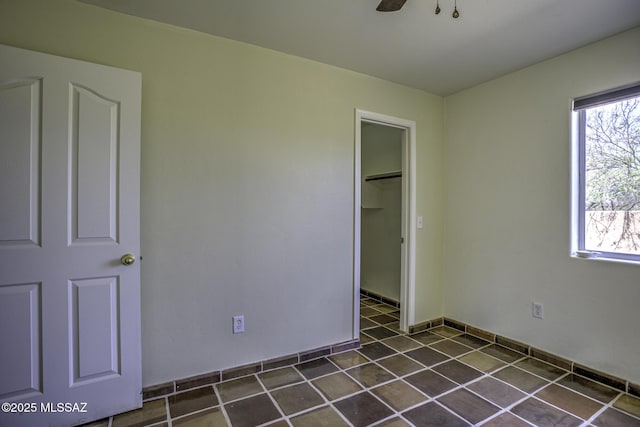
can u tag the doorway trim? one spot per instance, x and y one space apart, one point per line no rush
407 283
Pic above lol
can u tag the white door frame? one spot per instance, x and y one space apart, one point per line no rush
407 283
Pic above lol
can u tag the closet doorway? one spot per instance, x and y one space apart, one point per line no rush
384 212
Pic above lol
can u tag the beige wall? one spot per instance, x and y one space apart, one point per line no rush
247 184
507 210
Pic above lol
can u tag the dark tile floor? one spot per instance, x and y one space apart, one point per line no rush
436 378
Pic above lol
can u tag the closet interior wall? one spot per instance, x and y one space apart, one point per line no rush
381 213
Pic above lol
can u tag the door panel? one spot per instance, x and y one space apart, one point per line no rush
94 323
20 158
94 134
70 141
20 318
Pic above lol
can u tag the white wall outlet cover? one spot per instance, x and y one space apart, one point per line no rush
537 310
238 324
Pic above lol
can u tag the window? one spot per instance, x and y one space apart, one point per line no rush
607 175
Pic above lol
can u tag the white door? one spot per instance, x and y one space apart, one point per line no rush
69 210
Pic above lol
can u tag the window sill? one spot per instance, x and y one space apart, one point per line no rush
597 256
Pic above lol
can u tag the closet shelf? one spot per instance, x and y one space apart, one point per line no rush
380 176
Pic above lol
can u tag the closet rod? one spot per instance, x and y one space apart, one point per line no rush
380 176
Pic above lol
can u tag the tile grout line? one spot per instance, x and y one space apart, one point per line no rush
168 410
274 402
227 418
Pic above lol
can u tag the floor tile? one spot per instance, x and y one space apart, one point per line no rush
394 422
401 343
364 339
363 409
279 423
615 418
506 419
569 400
191 401
369 311
385 308
297 398
238 388
252 411
431 383
400 365
496 391
348 359
450 347
336 385
630 404
280 377
376 350
541 414
399 395
520 379
383 318
151 412
589 388
470 341
366 323
541 369
368 301
394 326
426 337
458 372
370 375
433 415
427 356
469 406
210 418
322 417
446 331
481 361
502 353
316 368
380 332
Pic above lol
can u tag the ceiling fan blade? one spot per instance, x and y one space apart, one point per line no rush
390 5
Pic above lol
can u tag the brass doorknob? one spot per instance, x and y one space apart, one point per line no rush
128 259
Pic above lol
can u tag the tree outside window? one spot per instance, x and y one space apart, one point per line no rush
612 177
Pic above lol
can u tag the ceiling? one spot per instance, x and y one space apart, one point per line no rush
413 47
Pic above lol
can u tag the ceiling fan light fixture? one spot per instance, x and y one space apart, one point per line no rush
437 7
390 5
455 13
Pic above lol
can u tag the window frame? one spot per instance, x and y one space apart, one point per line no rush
578 226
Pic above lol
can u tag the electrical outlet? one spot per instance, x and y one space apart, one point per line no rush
238 324
537 310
